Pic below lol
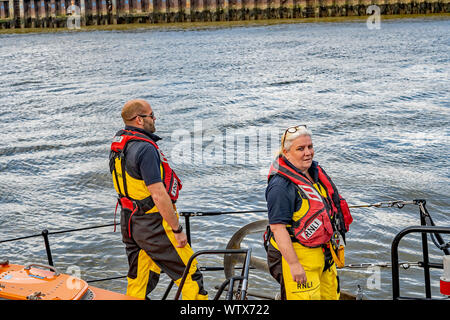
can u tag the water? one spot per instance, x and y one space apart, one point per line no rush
377 102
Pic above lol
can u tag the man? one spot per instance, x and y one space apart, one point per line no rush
148 189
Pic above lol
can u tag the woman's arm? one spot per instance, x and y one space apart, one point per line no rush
284 243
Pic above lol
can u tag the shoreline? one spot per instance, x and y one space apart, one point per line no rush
183 26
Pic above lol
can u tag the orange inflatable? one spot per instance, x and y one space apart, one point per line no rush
42 282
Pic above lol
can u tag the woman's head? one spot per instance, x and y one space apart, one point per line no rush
297 147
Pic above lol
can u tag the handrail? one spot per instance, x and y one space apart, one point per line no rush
426 264
183 214
60 232
243 278
188 214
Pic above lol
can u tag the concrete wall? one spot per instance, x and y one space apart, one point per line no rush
54 13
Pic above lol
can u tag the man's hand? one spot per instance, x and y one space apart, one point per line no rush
181 239
166 209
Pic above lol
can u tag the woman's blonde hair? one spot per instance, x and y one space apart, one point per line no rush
287 138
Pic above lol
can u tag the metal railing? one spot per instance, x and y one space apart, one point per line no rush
425 264
427 226
228 282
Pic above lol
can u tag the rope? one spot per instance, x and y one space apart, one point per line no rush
399 203
404 265
388 204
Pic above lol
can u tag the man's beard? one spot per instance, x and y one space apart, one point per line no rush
150 127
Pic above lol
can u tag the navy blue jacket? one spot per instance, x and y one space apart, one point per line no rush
282 196
142 158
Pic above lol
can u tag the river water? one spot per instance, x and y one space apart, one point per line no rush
377 102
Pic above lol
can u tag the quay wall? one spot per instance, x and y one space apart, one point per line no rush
55 13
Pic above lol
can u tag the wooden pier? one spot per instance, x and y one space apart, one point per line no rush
55 13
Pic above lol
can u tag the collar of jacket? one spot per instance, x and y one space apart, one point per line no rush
313 171
152 136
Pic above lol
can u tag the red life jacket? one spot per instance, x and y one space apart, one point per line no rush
170 180
323 217
118 151
340 207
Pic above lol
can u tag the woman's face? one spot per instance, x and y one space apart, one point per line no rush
301 153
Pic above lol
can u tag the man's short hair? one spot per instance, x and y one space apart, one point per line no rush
132 108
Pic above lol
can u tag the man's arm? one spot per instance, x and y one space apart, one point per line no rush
165 208
284 243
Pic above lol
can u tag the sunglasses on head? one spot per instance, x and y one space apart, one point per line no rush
293 129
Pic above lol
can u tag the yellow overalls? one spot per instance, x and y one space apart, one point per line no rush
320 284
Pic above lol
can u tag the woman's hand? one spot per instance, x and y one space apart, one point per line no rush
298 273
284 243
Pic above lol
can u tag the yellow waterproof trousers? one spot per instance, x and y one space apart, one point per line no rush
320 284
151 248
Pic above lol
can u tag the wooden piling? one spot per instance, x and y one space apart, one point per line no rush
159 10
92 12
11 11
222 10
126 7
138 6
21 14
103 8
260 9
389 6
172 10
149 9
32 13
247 9
62 8
210 7
2 10
83 12
339 8
196 6
53 13
41 14
52 9
114 12
287 9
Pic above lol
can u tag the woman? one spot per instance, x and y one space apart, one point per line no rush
307 216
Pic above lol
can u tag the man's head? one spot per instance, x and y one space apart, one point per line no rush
139 114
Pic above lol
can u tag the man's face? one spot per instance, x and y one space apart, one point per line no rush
149 121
